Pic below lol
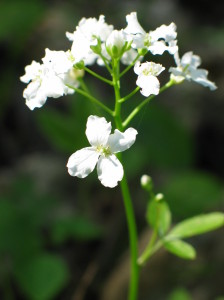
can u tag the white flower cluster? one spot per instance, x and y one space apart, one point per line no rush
96 41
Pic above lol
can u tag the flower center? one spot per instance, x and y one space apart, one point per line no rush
105 151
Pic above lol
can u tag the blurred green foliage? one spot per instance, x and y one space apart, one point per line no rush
18 20
28 222
192 192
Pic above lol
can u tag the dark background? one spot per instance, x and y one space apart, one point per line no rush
66 238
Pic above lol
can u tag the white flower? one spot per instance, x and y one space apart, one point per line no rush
147 79
161 39
134 31
62 64
44 83
50 78
104 145
187 68
87 34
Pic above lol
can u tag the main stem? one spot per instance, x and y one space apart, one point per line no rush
133 287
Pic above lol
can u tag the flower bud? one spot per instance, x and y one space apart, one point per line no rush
142 51
79 65
116 44
146 183
97 48
159 197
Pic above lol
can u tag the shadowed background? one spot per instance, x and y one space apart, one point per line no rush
66 238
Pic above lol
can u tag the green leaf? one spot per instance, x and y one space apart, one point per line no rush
191 192
197 225
76 227
180 294
180 248
158 216
42 277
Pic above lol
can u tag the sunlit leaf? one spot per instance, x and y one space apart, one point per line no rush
198 225
180 248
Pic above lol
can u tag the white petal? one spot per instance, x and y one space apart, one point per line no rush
97 131
157 47
190 59
82 162
133 26
52 84
109 170
59 61
34 95
149 84
168 33
200 76
134 31
121 141
31 72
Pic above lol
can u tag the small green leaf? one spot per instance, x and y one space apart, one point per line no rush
180 248
42 277
180 294
198 225
159 216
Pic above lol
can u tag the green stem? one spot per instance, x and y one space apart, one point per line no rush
130 66
83 85
133 287
106 64
133 239
91 98
129 95
149 251
98 76
146 101
116 83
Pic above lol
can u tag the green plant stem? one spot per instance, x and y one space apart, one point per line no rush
98 76
93 99
129 95
146 101
133 239
106 64
149 251
116 83
83 85
130 66
133 287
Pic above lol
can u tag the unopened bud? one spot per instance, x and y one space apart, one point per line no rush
79 65
115 44
159 197
142 51
146 183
